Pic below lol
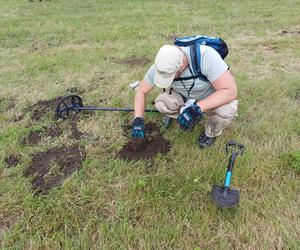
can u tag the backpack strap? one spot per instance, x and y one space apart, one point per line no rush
195 54
196 61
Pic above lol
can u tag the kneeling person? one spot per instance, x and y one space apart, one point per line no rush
187 98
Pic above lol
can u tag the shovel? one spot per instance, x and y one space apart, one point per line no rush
224 196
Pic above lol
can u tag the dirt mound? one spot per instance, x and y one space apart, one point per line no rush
36 136
136 61
40 108
12 160
50 168
148 148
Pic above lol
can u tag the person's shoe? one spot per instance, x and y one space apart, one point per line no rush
205 141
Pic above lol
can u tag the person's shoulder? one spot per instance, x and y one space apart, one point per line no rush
207 50
212 64
151 71
210 55
152 67
149 76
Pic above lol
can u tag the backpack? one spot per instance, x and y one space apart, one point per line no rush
194 43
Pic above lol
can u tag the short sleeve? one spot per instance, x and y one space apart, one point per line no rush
213 66
149 76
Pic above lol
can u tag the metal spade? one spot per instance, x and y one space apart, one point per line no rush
224 196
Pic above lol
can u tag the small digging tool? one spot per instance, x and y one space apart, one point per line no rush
224 196
72 104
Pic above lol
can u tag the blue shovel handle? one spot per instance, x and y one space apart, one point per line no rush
232 159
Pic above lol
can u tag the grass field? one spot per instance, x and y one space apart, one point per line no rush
49 49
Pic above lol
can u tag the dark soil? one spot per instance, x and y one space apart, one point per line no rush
40 108
284 32
137 149
49 169
136 61
75 132
103 100
53 132
36 136
12 160
18 118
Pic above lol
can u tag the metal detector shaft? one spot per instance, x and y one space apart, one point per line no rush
92 108
71 104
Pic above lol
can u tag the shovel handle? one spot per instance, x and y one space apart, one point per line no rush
240 149
239 146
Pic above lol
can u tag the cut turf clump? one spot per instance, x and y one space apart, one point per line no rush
50 168
33 138
74 129
148 148
12 160
36 136
41 108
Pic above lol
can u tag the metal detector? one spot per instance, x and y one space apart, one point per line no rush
223 196
71 105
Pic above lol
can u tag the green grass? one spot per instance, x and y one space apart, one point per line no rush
48 47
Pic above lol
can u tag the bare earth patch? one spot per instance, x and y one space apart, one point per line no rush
12 160
54 131
75 132
285 32
148 148
40 108
136 61
36 136
49 169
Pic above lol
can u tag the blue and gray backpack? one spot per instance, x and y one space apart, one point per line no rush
194 43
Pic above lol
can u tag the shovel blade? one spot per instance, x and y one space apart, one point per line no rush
225 200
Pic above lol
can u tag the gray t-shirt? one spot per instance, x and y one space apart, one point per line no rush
212 66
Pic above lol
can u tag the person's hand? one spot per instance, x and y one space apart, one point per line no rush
138 128
190 117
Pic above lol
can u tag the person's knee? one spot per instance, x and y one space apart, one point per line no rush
169 103
226 112
220 118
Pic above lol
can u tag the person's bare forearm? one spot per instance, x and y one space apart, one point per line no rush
217 99
140 98
139 104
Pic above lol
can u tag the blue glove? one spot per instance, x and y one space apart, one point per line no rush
190 117
138 128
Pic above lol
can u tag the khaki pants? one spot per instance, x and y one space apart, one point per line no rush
217 119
